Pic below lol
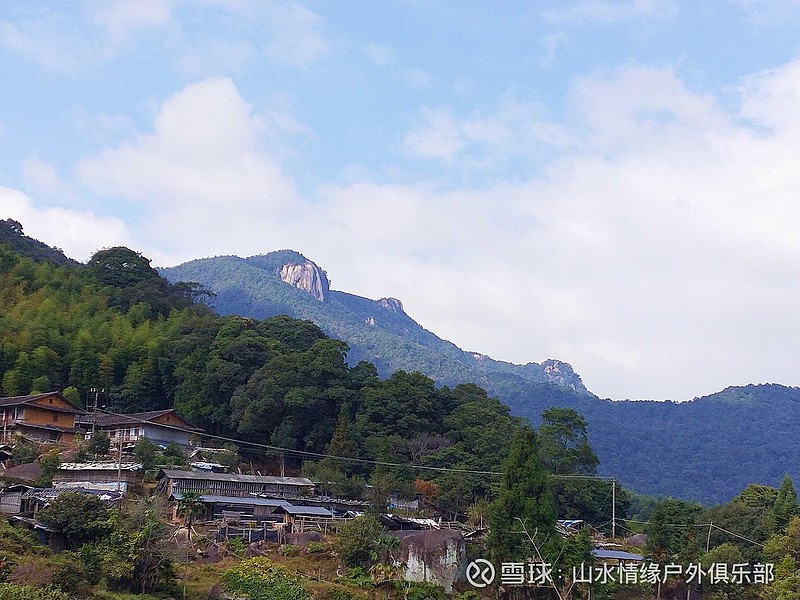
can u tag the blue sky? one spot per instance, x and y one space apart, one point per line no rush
610 183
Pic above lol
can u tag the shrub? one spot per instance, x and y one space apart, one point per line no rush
425 591
259 579
11 591
358 577
357 542
336 592
236 545
316 547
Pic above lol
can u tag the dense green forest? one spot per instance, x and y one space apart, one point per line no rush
151 344
707 449
116 325
379 332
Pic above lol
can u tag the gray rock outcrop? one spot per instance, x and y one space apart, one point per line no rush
308 277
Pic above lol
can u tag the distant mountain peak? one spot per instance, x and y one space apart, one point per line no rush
392 304
296 270
379 331
562 373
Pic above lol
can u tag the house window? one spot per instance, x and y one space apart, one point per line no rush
55 417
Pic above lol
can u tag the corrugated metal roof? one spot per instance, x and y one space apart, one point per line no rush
307 511
617 555
251 501
264 479
99 466
48 494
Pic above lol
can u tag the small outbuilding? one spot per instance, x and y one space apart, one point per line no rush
175 481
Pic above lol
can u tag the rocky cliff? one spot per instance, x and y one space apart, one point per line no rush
562 373
392 304
308 277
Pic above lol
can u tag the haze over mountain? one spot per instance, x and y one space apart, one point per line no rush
707 449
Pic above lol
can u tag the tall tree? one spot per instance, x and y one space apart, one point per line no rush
785 506
522 519
190 506
671 533
564 444
120 267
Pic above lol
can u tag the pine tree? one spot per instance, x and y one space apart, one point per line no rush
785 506
522 519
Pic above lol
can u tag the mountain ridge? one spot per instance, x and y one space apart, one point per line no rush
252 287
666 448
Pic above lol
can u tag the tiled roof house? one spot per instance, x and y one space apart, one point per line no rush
48 417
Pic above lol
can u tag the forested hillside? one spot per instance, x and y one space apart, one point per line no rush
378 331
11 233
705 450
116 325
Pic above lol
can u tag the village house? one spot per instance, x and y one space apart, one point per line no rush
174 481
234 509
105 475
161 427
48 417
11 498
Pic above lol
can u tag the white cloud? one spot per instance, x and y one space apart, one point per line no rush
295 37
551 44
609 11
202 174
47 43
78 233
658 253
123 18
440 136
75 42
41 177
484 141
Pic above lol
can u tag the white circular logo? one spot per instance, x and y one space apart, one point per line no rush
480 573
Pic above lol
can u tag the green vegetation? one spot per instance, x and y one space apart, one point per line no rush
116 324
523 518
357 542
705 450
280 381
259 578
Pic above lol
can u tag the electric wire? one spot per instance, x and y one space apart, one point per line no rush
306 453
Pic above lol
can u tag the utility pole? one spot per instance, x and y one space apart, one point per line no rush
613 509
119 462
96 391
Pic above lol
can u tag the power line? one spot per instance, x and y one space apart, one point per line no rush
306 453
703 525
